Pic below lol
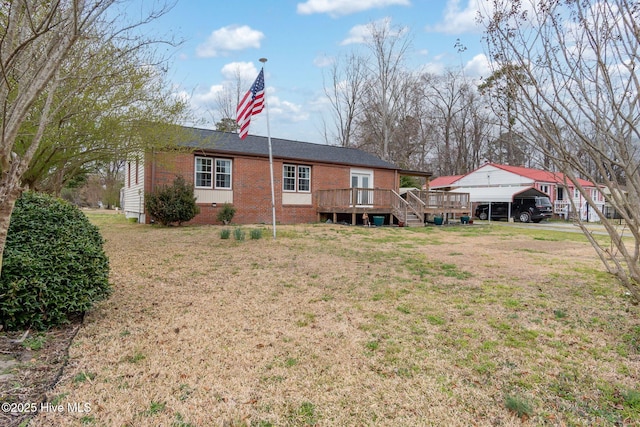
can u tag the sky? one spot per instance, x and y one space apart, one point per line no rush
300 39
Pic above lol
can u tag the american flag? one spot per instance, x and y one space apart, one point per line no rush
251 104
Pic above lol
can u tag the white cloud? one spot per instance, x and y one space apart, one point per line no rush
434 68
362 33
322 61
337 8
207 98
357 34
457 20
284 110
478 66
229 38
246 70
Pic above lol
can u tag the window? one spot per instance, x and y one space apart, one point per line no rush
304 178
223 173
203 172
289 178
296 178
544 188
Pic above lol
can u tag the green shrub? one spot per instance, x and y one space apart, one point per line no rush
226 213
172 203
255 233
239 234
54 265
225 233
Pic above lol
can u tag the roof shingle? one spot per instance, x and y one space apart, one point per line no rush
229 143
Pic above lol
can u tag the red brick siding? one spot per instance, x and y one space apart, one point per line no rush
251 186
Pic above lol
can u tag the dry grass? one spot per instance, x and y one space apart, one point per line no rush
334 325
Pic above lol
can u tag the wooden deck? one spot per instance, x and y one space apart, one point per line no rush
414 208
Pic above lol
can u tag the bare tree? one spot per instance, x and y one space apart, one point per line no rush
227 100
388 47
36 40
472 130
344 91
460 122
574 65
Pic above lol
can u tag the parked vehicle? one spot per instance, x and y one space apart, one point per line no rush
525 209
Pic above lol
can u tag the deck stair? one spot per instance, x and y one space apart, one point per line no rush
409 211
413 220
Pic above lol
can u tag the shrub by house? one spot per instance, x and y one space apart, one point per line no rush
173 203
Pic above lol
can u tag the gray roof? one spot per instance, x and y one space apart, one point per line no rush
229 143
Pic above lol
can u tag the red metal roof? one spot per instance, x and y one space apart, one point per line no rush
539 175
444 181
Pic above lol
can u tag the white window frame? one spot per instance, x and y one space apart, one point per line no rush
196 172
213 173
230 173
286 177
307 179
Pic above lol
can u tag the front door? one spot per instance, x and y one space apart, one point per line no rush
362 181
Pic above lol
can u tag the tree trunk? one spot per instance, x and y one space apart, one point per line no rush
9 193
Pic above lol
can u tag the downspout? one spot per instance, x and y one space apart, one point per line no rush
153 170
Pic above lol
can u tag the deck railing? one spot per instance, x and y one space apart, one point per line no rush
416 204
354 197
399 207
417 201
446 200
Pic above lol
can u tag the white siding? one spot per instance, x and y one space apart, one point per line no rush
491 175
133 197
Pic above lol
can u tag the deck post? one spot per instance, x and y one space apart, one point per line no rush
354 201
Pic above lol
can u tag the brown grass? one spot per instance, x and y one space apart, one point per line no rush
335 325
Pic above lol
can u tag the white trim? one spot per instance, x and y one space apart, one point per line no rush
364 198
215 174
296 178
491 194
196 172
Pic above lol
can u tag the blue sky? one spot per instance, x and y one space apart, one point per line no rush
299 38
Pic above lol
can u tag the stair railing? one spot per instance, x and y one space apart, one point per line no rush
416 205
399 207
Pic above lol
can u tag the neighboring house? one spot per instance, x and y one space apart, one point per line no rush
444 183
499 183
312 182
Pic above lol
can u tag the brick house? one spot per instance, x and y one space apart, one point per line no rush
225 169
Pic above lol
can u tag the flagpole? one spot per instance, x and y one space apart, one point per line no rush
273 194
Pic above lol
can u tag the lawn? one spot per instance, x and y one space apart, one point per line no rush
339 325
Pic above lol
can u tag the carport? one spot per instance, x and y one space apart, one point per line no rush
497 195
